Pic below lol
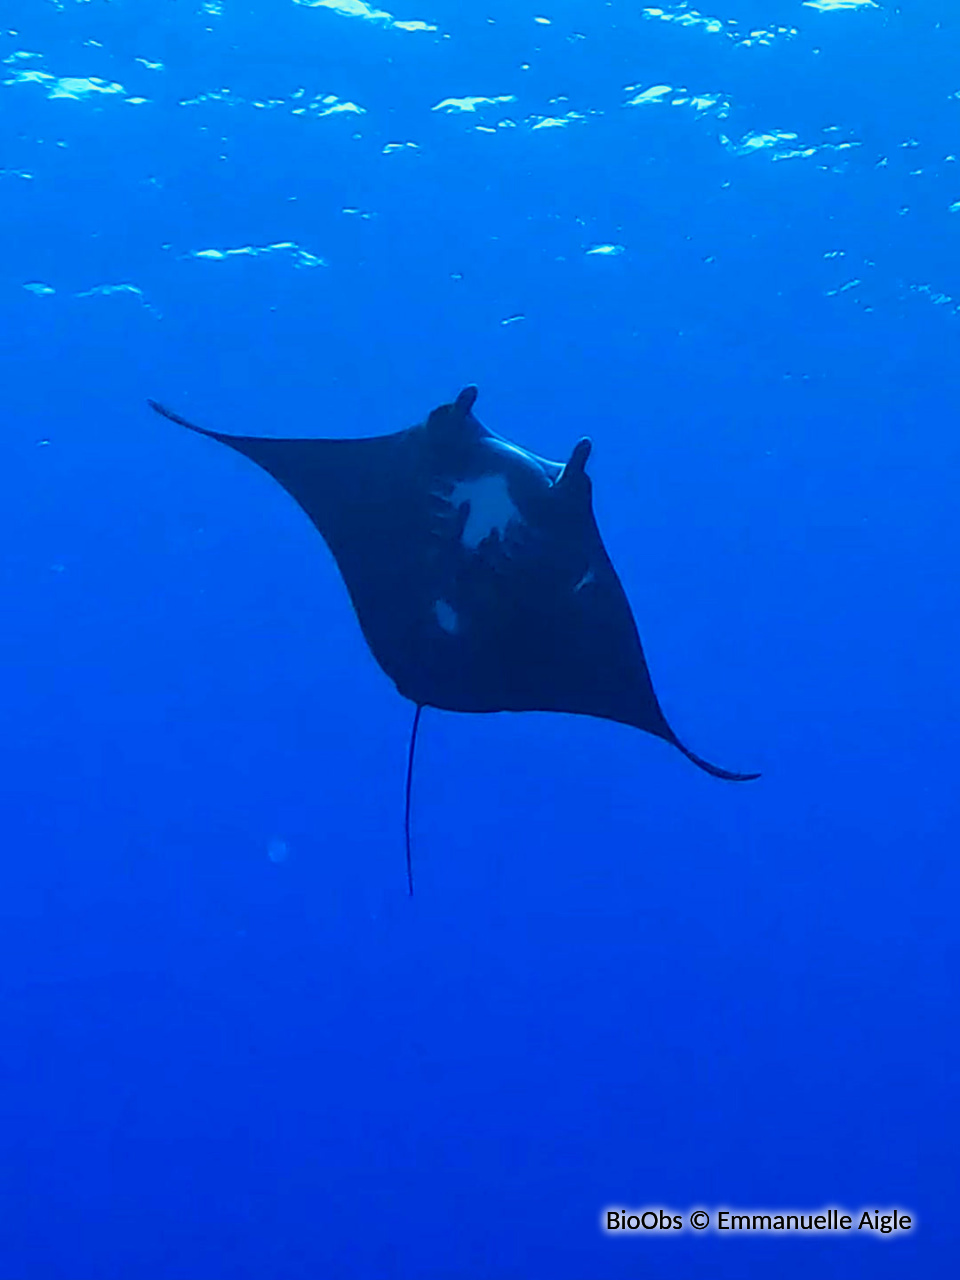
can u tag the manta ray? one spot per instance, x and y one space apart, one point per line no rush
476 570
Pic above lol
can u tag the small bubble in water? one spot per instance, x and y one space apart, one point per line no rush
277 850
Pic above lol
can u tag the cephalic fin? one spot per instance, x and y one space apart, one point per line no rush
578 461
466 400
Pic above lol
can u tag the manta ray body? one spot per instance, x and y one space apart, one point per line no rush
475 567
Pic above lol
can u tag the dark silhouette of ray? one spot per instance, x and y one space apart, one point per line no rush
476 569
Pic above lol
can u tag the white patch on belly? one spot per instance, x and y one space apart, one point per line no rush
492 509
446 616
585 581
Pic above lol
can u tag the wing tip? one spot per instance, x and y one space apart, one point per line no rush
725 775
164 412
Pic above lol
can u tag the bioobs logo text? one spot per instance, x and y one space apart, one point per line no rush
642 1220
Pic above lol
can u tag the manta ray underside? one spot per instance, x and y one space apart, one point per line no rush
476 569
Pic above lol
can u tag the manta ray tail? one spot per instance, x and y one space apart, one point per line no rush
406 818
714 770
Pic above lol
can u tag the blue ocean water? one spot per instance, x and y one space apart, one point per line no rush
724 245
